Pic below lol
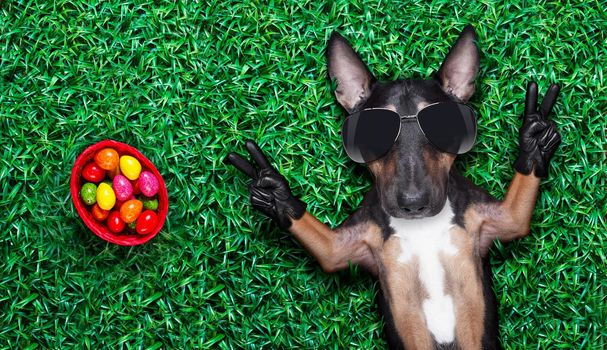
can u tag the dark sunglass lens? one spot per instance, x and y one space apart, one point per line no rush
450 126
369 134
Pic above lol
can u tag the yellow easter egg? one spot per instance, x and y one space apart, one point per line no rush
130 167
105 196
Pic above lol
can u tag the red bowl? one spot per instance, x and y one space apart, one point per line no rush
98 227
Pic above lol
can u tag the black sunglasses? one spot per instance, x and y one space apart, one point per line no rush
370 133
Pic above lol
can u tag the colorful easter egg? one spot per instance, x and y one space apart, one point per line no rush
122 187
107 158
98 213
130 167
114 222
120 203
147 222
148 183
93 172
150 203
88 193
130 210
105 196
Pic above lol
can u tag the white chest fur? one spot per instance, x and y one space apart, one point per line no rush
426 239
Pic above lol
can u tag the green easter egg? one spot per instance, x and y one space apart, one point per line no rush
150 203
88 193
132 225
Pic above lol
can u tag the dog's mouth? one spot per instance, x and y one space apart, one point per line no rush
422 201
403 214
413 216
392 209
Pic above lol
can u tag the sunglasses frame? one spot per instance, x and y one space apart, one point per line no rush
414 116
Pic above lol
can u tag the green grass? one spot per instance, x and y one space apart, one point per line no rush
188 83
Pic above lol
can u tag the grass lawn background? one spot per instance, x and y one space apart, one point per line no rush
186 83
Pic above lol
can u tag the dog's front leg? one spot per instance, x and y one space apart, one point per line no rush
509 219
334 249
539 139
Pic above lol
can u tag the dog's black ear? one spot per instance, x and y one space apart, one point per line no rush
353 78
459 69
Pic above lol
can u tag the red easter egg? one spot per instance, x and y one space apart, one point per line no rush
130 210
107 158
98 213
147 222
93 173
114 222
136 189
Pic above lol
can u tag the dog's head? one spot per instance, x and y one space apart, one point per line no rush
412 177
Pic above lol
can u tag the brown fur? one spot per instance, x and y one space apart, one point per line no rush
405 293
384 169
334 250
438 163
462 274
509 219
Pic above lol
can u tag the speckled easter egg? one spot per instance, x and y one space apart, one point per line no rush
88 193
105 196
122 187
147 222
148 184
107 158
130 167
93 172
130 210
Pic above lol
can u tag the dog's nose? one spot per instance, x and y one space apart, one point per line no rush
414 203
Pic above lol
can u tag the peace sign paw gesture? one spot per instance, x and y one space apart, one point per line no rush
269 191
538 137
